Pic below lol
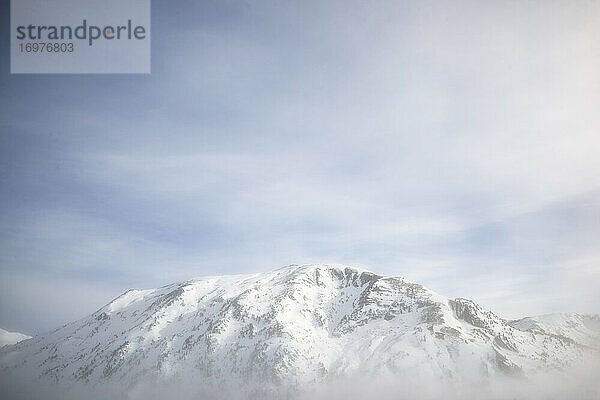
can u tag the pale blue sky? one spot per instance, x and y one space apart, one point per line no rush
454 144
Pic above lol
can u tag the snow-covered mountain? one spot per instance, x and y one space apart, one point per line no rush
7 337
293 327
583 329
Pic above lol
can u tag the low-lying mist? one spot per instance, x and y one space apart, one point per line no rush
578 382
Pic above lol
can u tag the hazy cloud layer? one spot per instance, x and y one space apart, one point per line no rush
455 144
579 382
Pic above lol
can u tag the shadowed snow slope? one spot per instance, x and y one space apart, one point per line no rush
293 327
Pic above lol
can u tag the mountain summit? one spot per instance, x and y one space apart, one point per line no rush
295 326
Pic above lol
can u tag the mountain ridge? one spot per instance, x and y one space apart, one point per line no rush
7 338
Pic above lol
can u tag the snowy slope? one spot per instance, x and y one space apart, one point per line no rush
295 326
7 337
584 329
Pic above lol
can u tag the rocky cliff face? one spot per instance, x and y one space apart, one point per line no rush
295 326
